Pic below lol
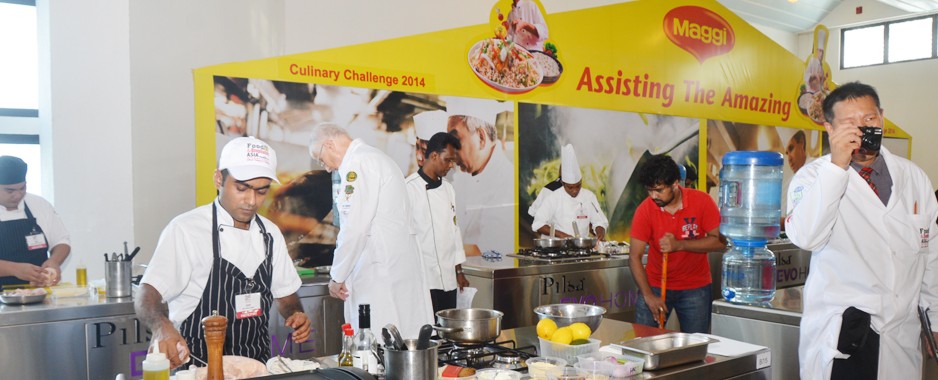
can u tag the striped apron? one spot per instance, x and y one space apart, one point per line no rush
244 337
13 245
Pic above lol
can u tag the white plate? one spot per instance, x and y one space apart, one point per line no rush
236 367
275 367
529 60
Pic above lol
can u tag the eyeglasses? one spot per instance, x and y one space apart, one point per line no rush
319 156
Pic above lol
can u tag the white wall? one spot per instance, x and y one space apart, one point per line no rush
906 90
87 125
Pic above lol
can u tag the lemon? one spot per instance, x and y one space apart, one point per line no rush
563 335
546 328
580 331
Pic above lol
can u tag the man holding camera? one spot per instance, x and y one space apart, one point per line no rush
867 217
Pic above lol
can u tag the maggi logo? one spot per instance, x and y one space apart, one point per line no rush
706 34
699 31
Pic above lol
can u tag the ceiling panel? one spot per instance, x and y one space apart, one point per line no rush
793 17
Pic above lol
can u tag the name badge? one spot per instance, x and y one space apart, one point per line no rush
248 305
36 241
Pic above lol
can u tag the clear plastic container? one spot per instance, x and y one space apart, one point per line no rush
568 373
610 365
539 367
565 351
751 195
749 273
497 374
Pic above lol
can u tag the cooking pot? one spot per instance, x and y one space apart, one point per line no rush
469 325
583 242
550 242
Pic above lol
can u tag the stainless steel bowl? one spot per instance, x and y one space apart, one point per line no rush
568 313
550 242
21 300
583 242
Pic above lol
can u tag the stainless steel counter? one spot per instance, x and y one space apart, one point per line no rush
98 337
713 367
517 286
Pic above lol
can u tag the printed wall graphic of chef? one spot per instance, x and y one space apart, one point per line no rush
817 78
610 145
283 115
518 56
485 185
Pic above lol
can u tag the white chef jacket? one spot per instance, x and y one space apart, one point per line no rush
541 195
438 236
528 11
50 222
878 258
560 210
487 214
183 259
376 252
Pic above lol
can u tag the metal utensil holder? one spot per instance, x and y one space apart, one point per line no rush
117 277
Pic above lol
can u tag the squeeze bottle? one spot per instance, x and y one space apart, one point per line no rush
156 365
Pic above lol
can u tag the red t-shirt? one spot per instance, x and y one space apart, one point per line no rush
686 270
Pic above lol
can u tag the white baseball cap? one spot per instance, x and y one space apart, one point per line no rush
247 158
429 123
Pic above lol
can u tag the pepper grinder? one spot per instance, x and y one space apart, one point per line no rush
213 328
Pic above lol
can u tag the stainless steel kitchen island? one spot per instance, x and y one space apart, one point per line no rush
740 367
516 286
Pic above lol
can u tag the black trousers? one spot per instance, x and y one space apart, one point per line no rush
443 300
858 340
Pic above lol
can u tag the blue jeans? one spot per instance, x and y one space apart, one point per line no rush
693 308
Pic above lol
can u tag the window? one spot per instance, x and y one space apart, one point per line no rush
890 42
19 68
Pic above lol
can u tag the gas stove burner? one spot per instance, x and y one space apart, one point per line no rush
508 360
556 254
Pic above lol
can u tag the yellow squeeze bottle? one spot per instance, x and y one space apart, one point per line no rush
156 365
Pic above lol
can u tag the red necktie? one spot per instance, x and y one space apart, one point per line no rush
865 173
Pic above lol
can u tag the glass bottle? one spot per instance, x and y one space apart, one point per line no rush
365 348
348 345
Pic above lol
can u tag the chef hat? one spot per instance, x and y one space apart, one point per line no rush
569 166
12 170
247 158
430 123
484 109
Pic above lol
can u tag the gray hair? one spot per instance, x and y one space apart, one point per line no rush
325 131
473 124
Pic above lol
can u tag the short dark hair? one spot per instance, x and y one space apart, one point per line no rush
799 137
439 142
658 170
847 91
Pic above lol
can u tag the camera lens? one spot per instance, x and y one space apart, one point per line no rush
872 139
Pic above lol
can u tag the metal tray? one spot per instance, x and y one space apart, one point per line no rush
668 350
21 300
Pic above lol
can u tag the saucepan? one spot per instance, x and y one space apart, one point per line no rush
469 325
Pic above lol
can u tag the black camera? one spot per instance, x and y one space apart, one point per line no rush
872 139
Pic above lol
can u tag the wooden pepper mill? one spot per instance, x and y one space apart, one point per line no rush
213 329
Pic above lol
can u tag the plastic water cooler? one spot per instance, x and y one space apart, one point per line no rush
750 213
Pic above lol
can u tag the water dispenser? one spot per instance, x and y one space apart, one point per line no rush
750 215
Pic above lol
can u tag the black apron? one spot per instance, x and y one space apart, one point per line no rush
13 245
244 337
